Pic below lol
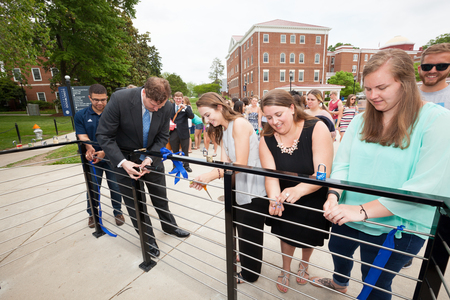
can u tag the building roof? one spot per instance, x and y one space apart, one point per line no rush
237 38
397 40
279 22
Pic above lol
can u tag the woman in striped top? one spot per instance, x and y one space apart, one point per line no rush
350 110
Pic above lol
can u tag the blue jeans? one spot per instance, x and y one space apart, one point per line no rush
116 198
408 243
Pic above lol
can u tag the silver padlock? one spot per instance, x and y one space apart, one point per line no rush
321 175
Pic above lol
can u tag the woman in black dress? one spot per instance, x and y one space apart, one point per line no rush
295 142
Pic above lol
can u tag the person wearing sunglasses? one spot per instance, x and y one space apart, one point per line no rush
434 70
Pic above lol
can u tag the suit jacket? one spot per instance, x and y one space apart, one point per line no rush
120 126
182 120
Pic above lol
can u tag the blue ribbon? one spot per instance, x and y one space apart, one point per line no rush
179 169
380 261
100 206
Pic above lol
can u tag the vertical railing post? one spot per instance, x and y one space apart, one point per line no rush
90 188
18 133
229 236
437 252
56 126
139 196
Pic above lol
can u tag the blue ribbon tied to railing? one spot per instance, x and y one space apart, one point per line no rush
179 169
380 261
100 221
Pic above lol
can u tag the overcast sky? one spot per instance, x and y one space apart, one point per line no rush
190 34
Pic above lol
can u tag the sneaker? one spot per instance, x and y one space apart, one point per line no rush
408 264
91 223
120 220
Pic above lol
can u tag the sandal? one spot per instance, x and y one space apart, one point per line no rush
284 281
240 279
302 274
327 282
238 259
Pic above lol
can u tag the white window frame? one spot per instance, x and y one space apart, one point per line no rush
53 71
332 60
282 58
300 56
283 39
292 58
316 72
245 47
366 57
301 78
251 76
354 69
264 56
355 57
251 40
252 60
265 35
302 39
34 75
42 93
266 71
248 44
317 58
282 75
318 40
17 72
292 38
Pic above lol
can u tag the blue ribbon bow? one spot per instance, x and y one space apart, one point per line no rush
179 169
100 221
379 261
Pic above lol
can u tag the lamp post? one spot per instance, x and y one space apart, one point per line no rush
290 81
354 83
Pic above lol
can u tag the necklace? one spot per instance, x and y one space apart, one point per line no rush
288 150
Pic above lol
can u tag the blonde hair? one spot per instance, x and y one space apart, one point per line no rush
318 95
401 126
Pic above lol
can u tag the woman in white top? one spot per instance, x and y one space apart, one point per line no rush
240 145
317 108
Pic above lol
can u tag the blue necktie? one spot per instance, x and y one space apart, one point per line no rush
146 127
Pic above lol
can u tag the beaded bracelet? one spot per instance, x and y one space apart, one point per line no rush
334 193
365 213
218 171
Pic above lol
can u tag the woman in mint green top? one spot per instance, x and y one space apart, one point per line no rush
398 142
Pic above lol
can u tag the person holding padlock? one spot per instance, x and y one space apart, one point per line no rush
294 141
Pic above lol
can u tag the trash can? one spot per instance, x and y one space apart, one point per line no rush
33 109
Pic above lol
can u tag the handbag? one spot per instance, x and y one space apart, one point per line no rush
172 125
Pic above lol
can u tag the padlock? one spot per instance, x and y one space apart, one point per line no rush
321 175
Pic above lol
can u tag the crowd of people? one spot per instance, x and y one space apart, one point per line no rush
396 143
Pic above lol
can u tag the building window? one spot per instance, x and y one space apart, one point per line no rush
301 75
318 40
282 75
17 74
283 39
54 71
265 38
245 79
245 64
36 74
292 38
354 69
282 58
248 61
252 59
316 75
302 39
371 55
292 75
292 58
251 77
301 58
2 67
332 70
317 58
245 47
265 92
266 75
332 60
266 57
355 57
248 46
366 57
251 40
41 96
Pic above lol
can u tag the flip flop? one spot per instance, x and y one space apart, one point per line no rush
327 282
240 279
302 274
284 281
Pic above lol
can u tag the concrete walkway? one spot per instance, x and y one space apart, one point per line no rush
67 262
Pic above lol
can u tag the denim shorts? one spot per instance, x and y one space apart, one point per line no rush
199 126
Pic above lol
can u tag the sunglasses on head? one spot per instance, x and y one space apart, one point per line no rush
439 67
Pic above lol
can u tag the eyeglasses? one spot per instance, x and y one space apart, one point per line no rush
429 67
352 98
99 100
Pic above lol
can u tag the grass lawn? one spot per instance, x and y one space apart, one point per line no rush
8 132
64 153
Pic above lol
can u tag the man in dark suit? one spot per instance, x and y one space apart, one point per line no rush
129 114
181 134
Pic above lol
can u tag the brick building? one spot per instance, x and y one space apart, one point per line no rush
347 58
265 56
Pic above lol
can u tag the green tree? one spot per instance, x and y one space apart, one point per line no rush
443 38
177 84
333 48
88 41
216 71
416 70
190 86
9 91
207 87
22 34
345 79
